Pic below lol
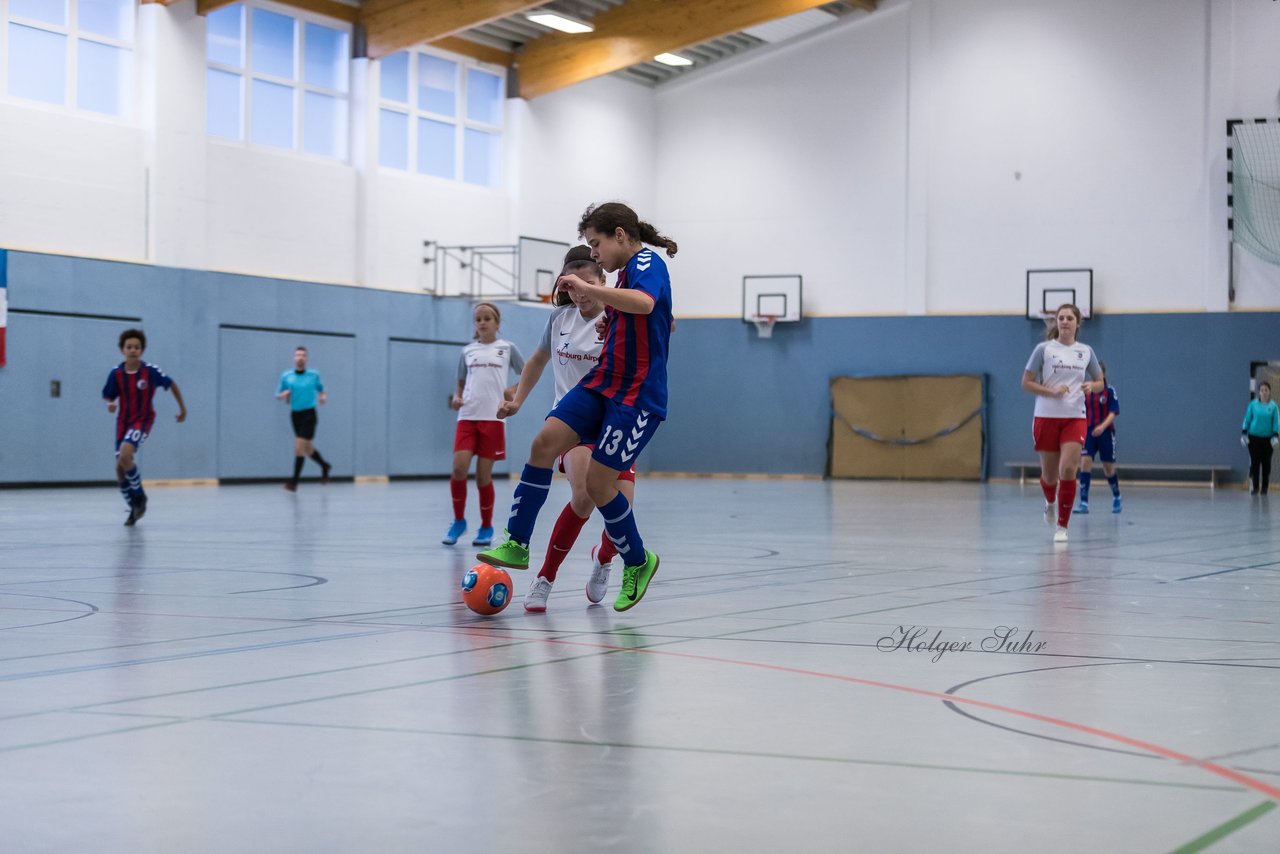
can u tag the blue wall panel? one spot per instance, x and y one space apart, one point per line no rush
738 403
420 379
255 433
235 428
743 404
70 437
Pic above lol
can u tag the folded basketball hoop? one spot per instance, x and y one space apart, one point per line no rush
764 324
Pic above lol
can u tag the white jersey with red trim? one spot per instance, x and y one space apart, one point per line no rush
574 347
1055 364
484 369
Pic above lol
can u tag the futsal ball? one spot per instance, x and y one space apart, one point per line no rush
486 589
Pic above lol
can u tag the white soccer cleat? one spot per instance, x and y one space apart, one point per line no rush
1060 535
535 600
598 583
1050 513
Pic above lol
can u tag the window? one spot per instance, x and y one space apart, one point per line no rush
440 116
277 80
76 53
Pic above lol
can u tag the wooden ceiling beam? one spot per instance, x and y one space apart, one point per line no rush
328 8
204 7
639 30
391 26
482 52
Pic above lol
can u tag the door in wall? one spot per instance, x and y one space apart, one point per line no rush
255 433
55 423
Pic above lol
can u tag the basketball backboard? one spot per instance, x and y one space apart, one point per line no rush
777 297
539 264
1048 289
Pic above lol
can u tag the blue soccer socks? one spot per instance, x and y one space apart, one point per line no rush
133 481
530 494
620 522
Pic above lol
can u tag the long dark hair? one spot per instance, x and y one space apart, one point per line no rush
610 216
577 259
1052 334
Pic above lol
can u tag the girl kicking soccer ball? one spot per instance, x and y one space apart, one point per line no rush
618 405
572 332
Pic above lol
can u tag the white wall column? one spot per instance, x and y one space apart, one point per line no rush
173 116
919 108
364 159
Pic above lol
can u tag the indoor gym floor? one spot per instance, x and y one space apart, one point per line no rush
249 670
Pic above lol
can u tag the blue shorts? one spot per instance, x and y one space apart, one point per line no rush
134 436
619 432
1103 446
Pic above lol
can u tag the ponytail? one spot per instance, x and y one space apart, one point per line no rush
650 235
610 216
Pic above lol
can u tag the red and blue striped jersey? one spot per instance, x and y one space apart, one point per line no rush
1097 404
135 392
633 359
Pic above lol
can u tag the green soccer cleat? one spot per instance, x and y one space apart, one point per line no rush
510 554
635 582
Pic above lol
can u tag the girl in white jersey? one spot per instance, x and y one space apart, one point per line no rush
572 341
482 387
1060 372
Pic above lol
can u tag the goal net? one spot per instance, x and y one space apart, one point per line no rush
1255 167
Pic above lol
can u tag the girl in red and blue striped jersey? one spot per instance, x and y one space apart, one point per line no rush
576 333
1100 410
130 390
618 405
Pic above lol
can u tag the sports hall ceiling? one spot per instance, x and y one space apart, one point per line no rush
628 34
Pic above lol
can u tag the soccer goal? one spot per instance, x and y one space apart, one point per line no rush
1253 200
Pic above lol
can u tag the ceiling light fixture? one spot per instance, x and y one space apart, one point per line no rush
672 59
559 22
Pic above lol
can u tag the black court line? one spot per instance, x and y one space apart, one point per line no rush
971 716
1223 572
184 656
35 312
1245 752
403 340
313 332
92 609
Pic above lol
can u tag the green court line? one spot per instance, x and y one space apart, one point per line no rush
1225 829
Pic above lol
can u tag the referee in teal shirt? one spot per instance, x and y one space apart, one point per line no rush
302 389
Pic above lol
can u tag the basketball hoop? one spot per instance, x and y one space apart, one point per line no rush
764 324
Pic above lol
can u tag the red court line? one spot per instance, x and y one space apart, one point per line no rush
1270 791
